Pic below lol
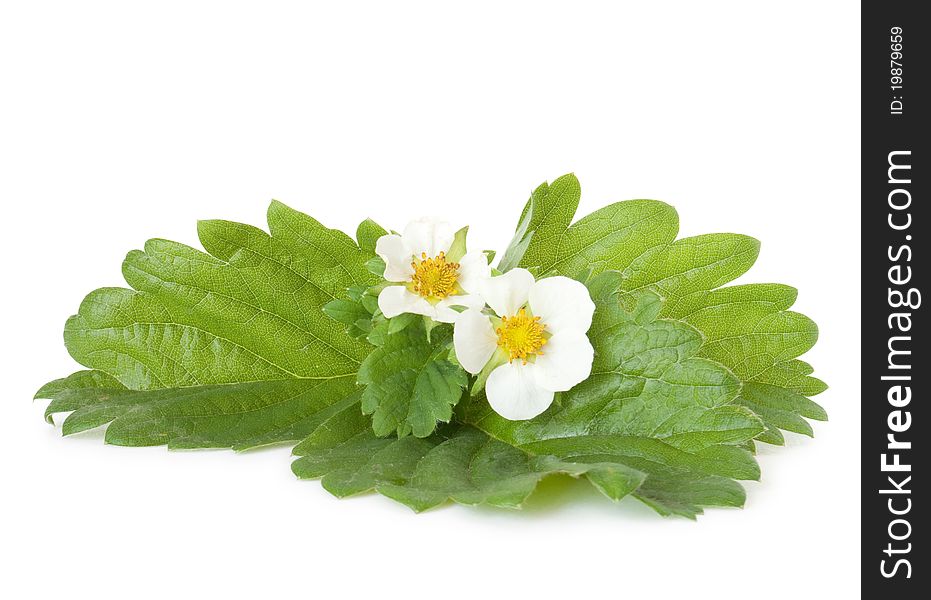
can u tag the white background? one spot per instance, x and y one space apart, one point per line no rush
123 121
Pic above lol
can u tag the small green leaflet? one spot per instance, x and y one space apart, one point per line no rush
410 385
264 338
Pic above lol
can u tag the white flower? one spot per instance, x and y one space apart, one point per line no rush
534 347
432 278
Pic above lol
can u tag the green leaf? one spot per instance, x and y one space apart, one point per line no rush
458 463
463 464
747 328
410 385
234 339
458 249
515 251
608 239
237 415
345 311
684 495
376 266
368 233
81 380
781 408
401 322
691 265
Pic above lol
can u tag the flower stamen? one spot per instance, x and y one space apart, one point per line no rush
434 277
521 336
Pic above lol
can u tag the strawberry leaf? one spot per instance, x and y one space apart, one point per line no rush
747 328
410 386
458 463
232 415
228 347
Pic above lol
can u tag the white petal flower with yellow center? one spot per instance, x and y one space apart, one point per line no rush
434 272
533 346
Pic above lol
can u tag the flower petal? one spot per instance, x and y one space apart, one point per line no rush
505 294
473 268
562 304
397 256
445 314
474 340
514 392
566 361
397 299
429 236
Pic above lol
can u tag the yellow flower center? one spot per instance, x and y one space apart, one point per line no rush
521 336
434 277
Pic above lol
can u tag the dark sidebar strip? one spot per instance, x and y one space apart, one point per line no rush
895 370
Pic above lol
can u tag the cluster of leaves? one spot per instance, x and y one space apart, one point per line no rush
411 380
276 337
